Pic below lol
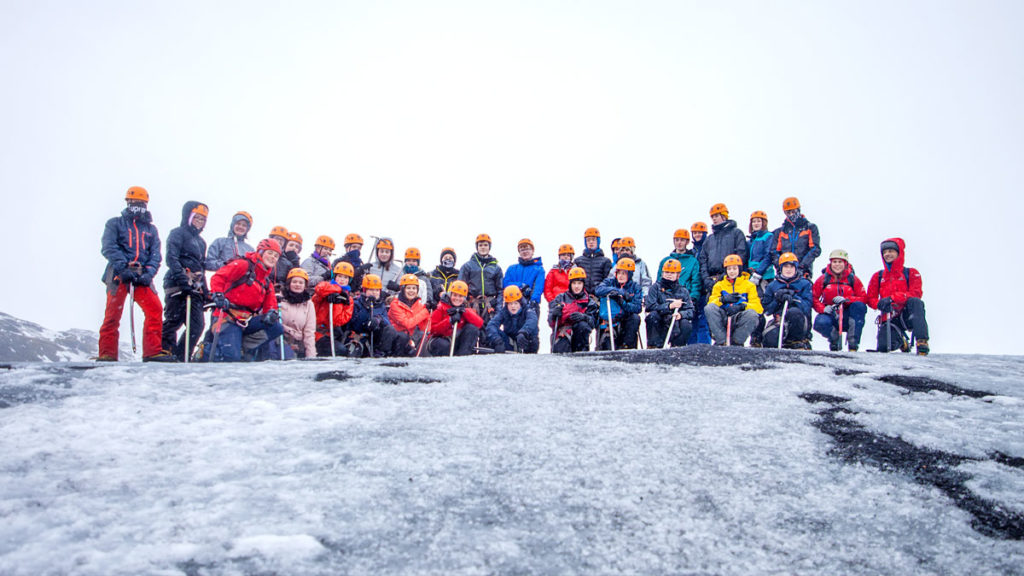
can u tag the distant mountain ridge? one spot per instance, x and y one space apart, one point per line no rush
24 341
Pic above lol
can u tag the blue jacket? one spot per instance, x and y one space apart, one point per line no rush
690 276
505 325
186 250
130 238
361 310
632 295
802 292
760 259
529 273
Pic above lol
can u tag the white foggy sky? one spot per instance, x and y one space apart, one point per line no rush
434 121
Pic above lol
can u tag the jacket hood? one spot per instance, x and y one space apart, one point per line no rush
231 229
532 262
186 211
897 264
489 259
722 226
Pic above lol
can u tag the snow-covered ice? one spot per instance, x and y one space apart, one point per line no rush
516 464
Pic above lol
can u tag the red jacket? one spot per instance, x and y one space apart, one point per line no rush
440 324
556 282
828 286
895 281
342 312
253 293
406 318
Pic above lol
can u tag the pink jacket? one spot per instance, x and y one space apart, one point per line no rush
299 322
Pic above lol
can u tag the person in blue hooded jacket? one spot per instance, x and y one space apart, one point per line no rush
514 326
186 276
621 299
790 287
527 275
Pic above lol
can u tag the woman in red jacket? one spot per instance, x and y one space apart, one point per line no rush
452 312
334 294
839 293
409 316
243 293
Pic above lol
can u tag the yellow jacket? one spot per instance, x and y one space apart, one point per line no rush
742 286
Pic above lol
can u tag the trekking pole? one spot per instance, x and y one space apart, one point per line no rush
426 336
371 331
611 329
188 326
728 330
642 329
668 336
131 314
280 342
330 311
782 323
888 333
841 326
455 331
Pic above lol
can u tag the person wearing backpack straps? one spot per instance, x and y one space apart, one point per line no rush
896 292
798 236
839 293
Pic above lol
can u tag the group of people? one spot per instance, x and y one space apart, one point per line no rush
718 284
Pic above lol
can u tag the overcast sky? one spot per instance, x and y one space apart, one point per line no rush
434 121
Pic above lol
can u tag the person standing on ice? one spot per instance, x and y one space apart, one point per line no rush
232 246
789 290
443 275
246 316
621 301
726 238
572 315
735 297
413 257
760 263
384 264
838 289
668 304
484 277
335 295
131 245
593 260
689 275
896 291
453 315
298 316
527 274
557 280
642 276
409 316
798 236
700 333
185 276
514 326
318 264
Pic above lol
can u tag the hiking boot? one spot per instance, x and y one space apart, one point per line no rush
852 348
922 347
835 344
161 356
106 359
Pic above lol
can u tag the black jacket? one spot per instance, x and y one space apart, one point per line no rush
597 267
186 250
725 239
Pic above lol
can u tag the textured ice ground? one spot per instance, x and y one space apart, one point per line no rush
506 465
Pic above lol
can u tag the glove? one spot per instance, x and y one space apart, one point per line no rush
556 309
499 348
527 292
729 298
782 295
375 322
128 276
577 317
220 301
339 298
393 286
885 305
364 268
755 278
734 309
272 317
828 309
455 314
839 300
522 341
144 279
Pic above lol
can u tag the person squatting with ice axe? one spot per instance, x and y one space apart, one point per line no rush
410 317
454 328
370 333
669 309
298 316
839 300
514 327
733 306
621 301
245 317
572 315
788 299
131 246
896 291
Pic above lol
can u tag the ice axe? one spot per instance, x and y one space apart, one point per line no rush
131 314
188 326
455 331
330 311
782 322
611 329
668 336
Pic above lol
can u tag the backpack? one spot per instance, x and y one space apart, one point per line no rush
906 278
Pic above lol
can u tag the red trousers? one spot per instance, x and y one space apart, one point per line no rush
150 304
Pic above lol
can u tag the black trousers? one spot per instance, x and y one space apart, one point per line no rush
174 319
796 329
578 342
625 333
465 342
912 318
657 330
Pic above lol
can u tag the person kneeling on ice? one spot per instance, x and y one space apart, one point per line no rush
790 291
370 332
298 316
839 299
896 292
452 315
409 316
621 300
733 306
572 315
669 304
334 295
246 318
514 326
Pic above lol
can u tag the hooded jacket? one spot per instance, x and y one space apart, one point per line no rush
186 252
760 259
595 264
642 276
725 239
483 275
318 269
570 303
632 295
130 237
363 309
440 279
799 237
801 288
557 281
829 285
527 273
342 312
689 278
895 281
407 316
228 248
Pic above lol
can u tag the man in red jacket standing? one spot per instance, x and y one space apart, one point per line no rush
896 292
243 292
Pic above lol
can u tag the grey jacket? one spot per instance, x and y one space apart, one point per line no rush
226 249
